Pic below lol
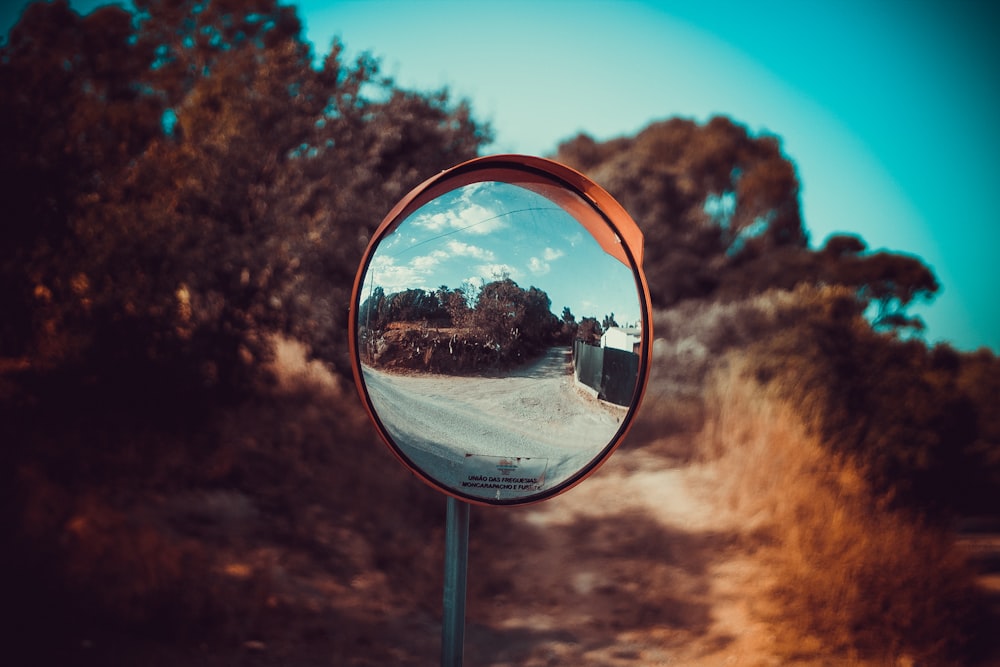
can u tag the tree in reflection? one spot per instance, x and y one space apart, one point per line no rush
505 323
590 330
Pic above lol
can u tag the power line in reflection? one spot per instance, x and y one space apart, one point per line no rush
475 224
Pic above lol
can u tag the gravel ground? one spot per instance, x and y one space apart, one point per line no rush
498 437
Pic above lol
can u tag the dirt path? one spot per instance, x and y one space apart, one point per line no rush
632 567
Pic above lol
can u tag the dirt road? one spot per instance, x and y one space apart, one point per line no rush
454 427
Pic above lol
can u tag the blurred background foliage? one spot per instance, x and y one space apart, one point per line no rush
187 193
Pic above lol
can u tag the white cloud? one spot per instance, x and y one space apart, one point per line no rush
469 217
459 249
384 272
425 263
550 254
435 222
477 219
538 267
493 271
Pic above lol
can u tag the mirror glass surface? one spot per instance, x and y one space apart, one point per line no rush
498 341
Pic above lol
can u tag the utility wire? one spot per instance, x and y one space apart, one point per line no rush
475 224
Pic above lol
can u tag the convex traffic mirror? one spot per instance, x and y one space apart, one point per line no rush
500 329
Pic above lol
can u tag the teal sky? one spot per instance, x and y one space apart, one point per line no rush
887 108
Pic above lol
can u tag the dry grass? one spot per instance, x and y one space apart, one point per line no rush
840 573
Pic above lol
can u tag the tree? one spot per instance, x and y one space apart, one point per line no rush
704 195
457 305
518 322
413 305
74 115
719 209
589 330
889 282
539 325
193 185
499 311
372 312
900 410
569 326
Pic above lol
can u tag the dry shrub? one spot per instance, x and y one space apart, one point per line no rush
691 339
131 565
135 570
272 510
843 571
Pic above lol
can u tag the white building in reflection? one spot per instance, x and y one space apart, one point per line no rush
622 338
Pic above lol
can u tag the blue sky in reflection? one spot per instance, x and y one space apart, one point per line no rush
483 231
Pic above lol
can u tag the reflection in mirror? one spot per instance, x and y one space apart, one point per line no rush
498 340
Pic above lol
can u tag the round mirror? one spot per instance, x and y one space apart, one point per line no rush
500 329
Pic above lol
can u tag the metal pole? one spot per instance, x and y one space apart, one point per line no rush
456 561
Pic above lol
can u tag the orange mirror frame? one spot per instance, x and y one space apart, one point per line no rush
589 204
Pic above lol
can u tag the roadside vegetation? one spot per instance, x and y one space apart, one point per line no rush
464 330
844 569
475 328
185 467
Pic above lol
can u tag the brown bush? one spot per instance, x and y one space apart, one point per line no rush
284 507
840 570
